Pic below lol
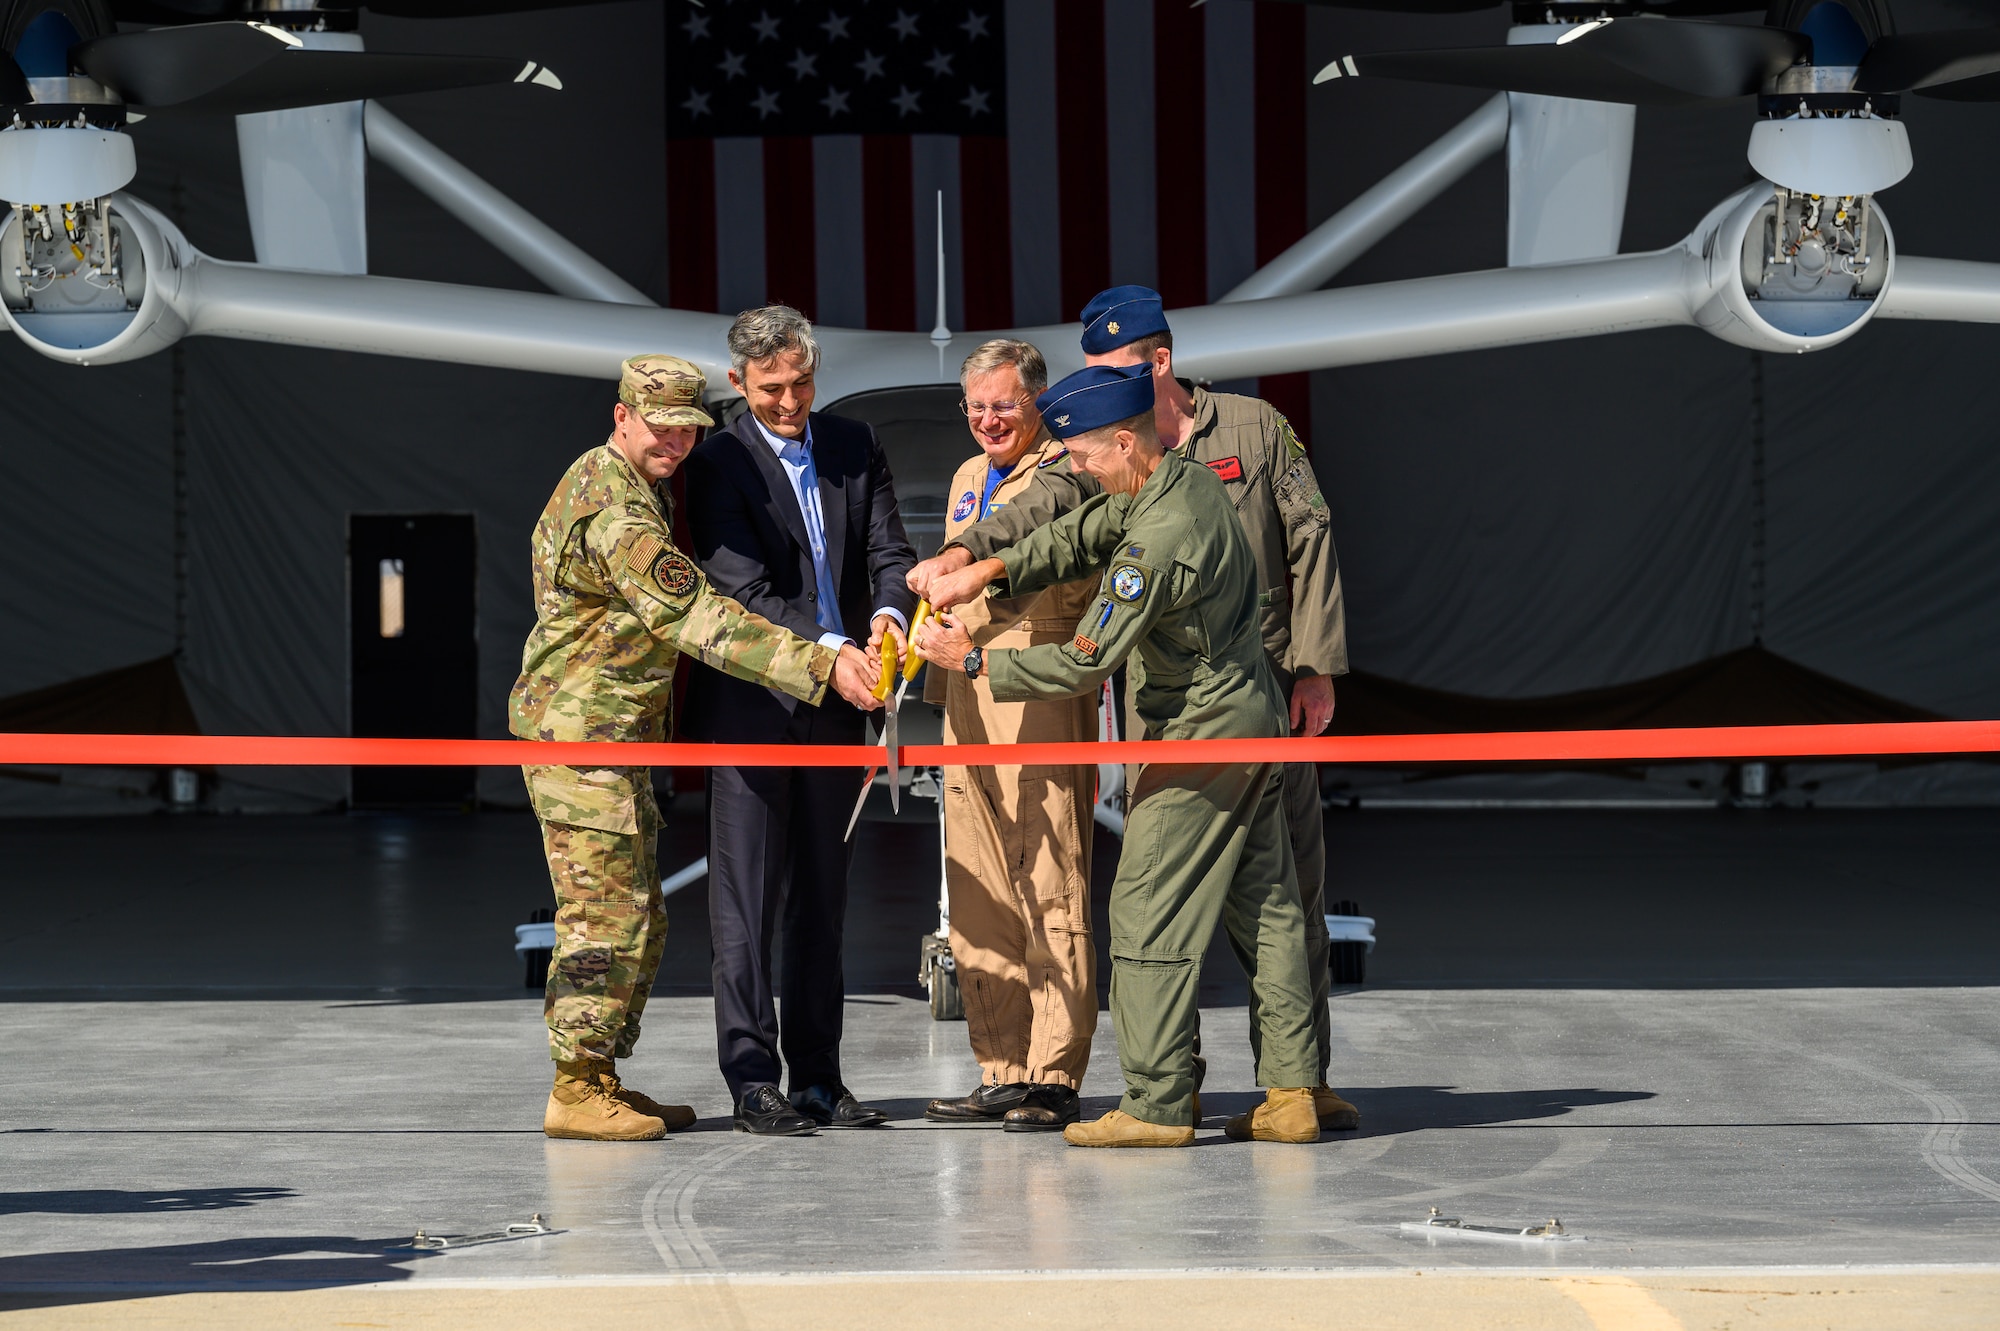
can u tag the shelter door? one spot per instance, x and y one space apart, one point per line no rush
413 649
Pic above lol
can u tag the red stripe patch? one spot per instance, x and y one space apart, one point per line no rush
1229 469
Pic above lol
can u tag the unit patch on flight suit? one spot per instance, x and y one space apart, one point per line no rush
963 508
1128 582
675 574
1053 458
1293 448
1229 469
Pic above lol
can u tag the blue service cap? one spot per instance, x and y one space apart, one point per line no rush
1121 316
1094 397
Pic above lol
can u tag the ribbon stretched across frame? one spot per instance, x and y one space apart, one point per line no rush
1873 740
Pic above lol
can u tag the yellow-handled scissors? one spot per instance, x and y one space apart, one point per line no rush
892 704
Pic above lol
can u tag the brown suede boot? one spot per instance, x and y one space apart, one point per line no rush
1119 1128
581 1110
1285 1116
675 1117
1335 1114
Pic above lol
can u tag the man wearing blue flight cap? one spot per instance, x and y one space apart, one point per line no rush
1204 842
1254 451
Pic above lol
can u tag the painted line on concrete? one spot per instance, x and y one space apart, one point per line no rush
1618 1303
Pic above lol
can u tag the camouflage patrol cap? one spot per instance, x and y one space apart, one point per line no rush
664 390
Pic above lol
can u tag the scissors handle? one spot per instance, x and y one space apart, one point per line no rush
912 663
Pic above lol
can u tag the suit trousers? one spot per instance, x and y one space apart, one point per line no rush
776 862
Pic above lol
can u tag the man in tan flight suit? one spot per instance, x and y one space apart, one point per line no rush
616 604
1017 839
1205 843
1254 451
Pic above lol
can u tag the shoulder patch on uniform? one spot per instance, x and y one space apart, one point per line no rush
1085 645
1128 582
1293 448
646 551
1052 459
1135 551
675 574
963 508
1229 469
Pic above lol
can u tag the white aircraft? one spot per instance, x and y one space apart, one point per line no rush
1801 260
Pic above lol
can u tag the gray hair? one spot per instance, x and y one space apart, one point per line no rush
1002 352
771 330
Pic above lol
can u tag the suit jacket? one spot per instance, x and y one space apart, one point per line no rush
750 539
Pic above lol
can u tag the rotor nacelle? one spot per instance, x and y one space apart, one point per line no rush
1786 271
91 283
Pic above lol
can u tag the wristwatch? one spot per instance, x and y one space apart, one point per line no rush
973 660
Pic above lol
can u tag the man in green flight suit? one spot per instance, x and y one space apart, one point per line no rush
1204 841
616 605
1254 451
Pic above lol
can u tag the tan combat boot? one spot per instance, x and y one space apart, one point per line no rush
1335 1114
581 1110
1119 1128
1286 1115
675 1117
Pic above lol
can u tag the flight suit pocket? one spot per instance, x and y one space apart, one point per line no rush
605 799
962 836
1047 853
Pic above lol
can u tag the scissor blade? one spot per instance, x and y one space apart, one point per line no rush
889 740
866 781
859 800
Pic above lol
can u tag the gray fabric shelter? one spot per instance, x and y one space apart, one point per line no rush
1511 523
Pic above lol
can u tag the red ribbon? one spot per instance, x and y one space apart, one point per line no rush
1718 742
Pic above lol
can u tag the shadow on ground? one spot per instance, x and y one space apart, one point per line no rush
121 1201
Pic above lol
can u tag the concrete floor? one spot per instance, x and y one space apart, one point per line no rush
1715 1041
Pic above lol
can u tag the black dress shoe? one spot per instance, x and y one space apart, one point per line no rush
1046 1109
764 1112
836 1107
988 1104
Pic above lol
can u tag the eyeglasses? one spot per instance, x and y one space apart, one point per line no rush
1006 411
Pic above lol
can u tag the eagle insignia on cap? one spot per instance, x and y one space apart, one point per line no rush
1062 420
1111 327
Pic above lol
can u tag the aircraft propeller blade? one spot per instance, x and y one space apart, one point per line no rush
1640 61
241 68
1930 61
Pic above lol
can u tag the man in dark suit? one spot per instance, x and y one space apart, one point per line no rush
794 515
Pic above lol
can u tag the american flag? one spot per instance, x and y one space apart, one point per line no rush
1077 144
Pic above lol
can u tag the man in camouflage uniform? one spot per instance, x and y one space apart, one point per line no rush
1253 449
617 604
